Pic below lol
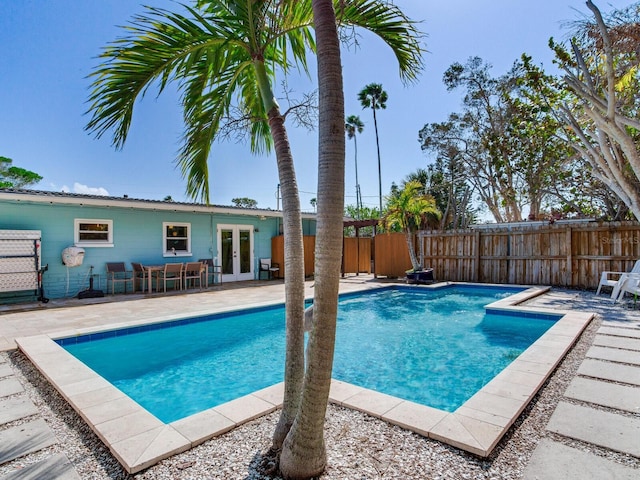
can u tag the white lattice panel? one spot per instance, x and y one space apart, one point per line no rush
16 247
18 265
19 260
18 281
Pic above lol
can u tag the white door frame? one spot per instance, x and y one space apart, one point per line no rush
231 272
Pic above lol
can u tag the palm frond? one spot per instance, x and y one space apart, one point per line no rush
389 23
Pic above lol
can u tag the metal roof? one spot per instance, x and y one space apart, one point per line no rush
64 198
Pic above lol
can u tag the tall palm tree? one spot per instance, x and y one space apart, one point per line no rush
410 209
354 125
303 454
224 52
374 97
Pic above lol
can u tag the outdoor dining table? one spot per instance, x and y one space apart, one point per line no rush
150 269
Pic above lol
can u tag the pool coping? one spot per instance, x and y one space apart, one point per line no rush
139 440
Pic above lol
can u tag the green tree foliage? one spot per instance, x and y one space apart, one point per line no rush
244 202
16 177
446 182
599 98
505 142
410 210
574 191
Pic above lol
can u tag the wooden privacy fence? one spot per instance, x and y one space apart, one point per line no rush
565 254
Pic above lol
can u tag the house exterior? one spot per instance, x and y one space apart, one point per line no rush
113 229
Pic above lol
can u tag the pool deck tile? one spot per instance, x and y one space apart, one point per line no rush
467 433
245 408
109 410
126 426
415 417
341 391
202 426
273 394
91 393
614 355
149 447
488 403
372 402
508 389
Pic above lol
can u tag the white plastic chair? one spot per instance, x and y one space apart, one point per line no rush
628 283
611 279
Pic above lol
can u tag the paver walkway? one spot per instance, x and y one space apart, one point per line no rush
22 433
601 408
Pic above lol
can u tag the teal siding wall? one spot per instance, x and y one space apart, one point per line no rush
137 237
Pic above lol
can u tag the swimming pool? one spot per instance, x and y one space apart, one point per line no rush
138 439
435 348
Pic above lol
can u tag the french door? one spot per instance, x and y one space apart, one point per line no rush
235 250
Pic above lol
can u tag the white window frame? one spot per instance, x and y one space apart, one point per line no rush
177 253
92 243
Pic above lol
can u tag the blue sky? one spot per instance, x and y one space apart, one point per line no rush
47 49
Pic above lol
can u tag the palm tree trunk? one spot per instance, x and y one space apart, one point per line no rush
303 454
293 261
375 126
412 251
358 199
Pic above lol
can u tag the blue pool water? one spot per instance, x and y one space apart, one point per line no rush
435 348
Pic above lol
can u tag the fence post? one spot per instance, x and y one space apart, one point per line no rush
569 272
478 267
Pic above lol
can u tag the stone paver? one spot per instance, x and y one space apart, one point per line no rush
608 430
621 332
5 370
620 397
10 386
614 355
555 461
610 371
57 467
612 341
12 409
23 439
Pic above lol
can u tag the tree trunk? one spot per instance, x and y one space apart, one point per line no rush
294 278
303 454
412 251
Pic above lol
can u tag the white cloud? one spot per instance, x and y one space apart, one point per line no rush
85 189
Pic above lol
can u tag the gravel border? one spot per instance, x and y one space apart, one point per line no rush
358 446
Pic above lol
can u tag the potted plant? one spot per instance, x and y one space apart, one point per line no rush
409 210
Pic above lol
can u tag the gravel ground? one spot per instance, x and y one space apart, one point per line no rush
358 446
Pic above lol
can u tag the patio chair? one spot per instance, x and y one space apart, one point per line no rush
193 271
172 272
628 283
118 273
139 276
212 271
272 269
610 279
